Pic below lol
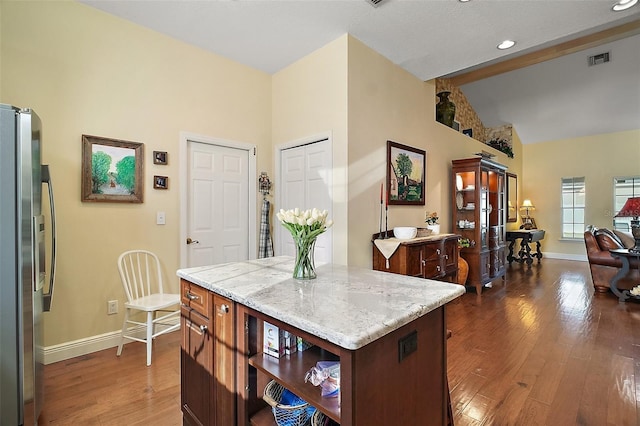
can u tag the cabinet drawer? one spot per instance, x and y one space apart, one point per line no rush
432 269
432 252
195 297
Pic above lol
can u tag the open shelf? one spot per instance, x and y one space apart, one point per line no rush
263 417
290 370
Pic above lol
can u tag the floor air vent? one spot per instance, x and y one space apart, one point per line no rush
598 59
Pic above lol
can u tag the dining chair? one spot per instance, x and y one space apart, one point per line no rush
142 281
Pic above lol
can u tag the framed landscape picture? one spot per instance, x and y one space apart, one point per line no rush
112 170
406 171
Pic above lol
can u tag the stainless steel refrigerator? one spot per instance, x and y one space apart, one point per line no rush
23 298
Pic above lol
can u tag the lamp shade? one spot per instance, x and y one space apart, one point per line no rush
631 208
527 205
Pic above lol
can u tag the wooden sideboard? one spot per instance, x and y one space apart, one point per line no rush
434 257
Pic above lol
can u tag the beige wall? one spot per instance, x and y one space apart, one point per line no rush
310 98
87 72
387 103
598 158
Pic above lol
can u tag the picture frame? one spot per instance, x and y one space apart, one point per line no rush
528 223
512 197
406 172
112 170
468 132
456 126
160 157
160 182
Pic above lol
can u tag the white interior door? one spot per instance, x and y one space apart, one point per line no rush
305 172
218 208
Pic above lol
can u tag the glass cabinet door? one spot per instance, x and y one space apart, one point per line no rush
484 208
465 200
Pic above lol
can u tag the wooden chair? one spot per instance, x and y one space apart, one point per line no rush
142 281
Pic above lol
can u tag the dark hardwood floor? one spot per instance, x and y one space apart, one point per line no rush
544 350
103 389
540 350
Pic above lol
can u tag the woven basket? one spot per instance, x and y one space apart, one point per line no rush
319 419
423 232
298 414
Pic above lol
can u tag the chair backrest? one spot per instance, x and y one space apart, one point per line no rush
140 273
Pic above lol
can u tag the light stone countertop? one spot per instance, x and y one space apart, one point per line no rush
347 306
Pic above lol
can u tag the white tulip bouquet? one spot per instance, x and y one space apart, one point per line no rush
304 226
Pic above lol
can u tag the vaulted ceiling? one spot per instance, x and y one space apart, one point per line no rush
433 38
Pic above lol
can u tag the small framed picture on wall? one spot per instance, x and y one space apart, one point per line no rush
160 157
160 182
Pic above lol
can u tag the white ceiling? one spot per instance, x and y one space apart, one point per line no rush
565 98
428 38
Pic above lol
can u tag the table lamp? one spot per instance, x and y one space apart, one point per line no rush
526 206
632 209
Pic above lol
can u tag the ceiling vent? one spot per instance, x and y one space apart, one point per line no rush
598 59
375 3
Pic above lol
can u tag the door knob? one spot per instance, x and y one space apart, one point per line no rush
190 241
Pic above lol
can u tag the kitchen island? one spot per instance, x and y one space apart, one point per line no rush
388 332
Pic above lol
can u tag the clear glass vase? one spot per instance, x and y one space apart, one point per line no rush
305 267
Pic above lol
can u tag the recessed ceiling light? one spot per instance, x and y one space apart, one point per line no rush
510 43
463 1
624 5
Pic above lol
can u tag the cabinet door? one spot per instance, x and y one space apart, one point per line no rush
450 254
196 363
432 260
485 266
498 262
224 363
414 261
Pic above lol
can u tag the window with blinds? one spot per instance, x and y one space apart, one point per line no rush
573 207
624 188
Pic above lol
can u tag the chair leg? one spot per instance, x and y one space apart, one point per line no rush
149 338
124 329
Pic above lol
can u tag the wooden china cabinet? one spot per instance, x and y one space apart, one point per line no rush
479 214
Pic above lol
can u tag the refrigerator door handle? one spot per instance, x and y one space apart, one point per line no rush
48 296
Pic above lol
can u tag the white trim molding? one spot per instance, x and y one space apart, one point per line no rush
75 348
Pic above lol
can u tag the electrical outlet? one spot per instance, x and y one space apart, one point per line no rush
112 307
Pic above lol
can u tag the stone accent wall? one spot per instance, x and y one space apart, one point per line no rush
467 117
504 132
465 113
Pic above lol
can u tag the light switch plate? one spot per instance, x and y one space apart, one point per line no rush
160 218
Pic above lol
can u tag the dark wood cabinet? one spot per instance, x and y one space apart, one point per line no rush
196 367
207 358
479 207
376 387
434 257
224 369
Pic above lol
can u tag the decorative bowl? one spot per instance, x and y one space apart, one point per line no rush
405 232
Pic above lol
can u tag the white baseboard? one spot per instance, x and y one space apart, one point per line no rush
81 347
85 346
565 256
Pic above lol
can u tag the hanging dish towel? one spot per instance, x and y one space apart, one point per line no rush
387 247
266 245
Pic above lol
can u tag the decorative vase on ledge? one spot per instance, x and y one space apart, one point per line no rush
445 109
